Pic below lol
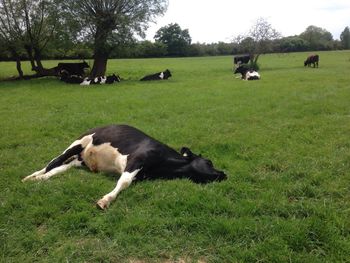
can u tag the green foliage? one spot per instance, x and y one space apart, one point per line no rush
345 38
318 38
176 40
293 44
283 141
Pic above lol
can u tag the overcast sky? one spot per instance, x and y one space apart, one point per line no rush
220 20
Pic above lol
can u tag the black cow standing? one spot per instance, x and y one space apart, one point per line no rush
133 154
241 59
158 76
312 59
72 68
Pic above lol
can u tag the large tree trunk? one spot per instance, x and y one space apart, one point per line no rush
101 52
100 66
18 63
19 67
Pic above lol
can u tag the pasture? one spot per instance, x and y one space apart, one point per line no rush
283 141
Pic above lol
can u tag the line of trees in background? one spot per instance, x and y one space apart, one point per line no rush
101 29
172 41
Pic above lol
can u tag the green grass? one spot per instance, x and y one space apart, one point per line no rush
284 142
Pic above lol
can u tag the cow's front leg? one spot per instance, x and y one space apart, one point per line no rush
124 181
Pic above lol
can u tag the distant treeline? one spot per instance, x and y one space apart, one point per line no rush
148 49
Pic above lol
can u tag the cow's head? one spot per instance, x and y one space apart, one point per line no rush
305 63
201 170
116 78
167 74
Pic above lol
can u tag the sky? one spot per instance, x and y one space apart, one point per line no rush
221 20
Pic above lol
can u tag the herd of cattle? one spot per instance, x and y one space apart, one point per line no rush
74 73
248 73
130 152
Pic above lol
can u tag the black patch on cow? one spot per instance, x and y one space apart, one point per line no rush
112 79
70 79
64 158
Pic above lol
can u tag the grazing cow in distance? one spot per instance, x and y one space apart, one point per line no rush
158 76
72 68
101 80
241 59
136 156
312 59
247 73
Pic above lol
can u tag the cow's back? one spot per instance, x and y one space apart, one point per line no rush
128 140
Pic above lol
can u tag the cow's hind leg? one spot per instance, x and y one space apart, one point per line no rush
63 162
124 181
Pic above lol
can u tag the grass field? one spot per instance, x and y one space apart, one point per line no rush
284 141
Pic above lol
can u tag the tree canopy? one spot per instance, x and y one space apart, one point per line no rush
176 39
317 37
259 39
345 38
106 21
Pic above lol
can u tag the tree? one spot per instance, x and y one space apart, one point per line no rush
262 34
293 44
29 25
11 31
259 39
318 38
99 18
177 40
345 38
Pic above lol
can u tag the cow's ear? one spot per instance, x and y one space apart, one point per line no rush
186 152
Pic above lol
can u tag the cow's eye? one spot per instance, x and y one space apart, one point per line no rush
210 163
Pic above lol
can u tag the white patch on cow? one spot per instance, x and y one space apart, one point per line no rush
85 82
84 141
104 157
251 74
103 80
124 181
41 175
185 155
161 75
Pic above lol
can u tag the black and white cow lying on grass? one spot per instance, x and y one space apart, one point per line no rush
101 80
87 81
136 156
247 73
158 76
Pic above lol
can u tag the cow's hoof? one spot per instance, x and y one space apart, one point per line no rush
102 204
29 178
